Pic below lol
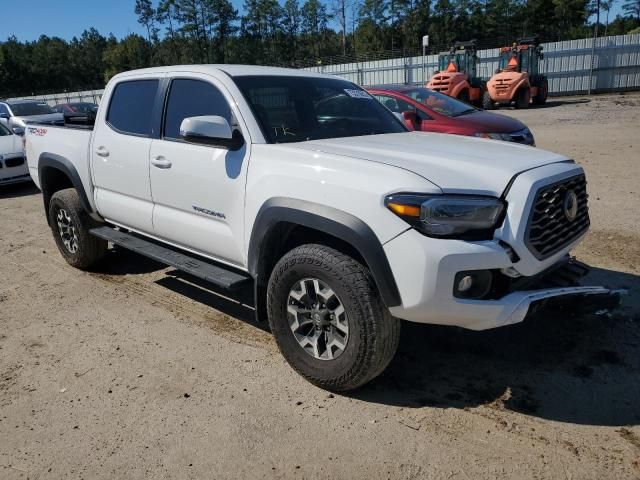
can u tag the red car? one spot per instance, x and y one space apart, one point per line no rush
429 111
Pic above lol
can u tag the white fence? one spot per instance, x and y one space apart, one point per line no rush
616 66
568 66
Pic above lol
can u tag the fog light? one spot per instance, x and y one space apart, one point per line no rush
465 284
472 284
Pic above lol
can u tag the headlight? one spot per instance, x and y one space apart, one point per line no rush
505 137
466 217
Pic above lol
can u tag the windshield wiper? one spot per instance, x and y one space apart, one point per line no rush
465 112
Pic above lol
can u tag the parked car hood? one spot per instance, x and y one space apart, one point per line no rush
487 122
10 145
455 163
47 118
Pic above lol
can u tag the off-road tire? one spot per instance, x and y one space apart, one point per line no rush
88 249
523 97
487 101
542 94
373 332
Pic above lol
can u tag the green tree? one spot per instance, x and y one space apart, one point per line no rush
632 7
130 53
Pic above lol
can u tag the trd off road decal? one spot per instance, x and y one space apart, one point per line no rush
40 132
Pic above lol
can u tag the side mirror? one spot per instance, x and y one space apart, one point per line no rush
211 130
411 119
18 131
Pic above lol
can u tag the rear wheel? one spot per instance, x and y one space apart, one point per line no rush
543 93
487 101
70 225
328 318
523 98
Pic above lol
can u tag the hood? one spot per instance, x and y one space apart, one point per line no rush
10 145
47 118
455 163
487 122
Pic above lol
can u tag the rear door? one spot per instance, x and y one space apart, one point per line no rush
198 190
120 153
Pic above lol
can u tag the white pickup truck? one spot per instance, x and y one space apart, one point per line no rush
305 187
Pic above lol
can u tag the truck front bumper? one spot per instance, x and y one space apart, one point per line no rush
425 271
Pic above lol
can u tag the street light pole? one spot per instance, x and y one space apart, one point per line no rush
425 44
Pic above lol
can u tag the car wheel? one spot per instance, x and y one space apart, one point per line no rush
70 225
328 318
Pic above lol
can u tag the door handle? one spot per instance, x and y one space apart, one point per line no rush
160 162
102 152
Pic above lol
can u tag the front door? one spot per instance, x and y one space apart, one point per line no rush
120 155
198 190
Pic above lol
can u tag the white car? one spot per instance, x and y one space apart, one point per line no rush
13 166
306 188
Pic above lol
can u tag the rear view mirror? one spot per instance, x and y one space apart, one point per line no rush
4 118
211 130
411 119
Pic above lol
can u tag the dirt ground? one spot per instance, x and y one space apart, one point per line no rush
137 371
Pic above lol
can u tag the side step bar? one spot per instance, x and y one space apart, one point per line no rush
220 276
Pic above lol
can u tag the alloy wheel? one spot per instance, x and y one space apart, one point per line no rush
317 319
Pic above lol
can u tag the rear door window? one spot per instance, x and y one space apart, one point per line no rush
131 107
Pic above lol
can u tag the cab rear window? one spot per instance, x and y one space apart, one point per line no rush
131 107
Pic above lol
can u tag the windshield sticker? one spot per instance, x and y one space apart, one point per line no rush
357 93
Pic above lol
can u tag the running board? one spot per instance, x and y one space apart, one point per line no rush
219 276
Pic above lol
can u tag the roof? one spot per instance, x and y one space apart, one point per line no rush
20 102
231 70
394 87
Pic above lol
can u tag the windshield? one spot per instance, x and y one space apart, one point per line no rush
4 131
296 109
439 102
31 108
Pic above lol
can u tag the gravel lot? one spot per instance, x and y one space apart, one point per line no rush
137 371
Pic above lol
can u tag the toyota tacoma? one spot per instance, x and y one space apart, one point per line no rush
304 188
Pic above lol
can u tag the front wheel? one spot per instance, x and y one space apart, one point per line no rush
328 318
463 96
70 225
543 93
487 101
523 98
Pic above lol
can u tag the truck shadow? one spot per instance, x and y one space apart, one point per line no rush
17 190
559 103
560 364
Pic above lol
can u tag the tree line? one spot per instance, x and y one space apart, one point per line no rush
292 33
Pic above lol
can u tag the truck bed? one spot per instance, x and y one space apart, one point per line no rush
71 142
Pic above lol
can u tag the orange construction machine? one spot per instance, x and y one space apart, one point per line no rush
457 75
517 80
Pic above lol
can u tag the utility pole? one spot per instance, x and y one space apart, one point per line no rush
593 45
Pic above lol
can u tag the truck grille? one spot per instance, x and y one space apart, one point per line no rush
552 223
440 83
502 85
